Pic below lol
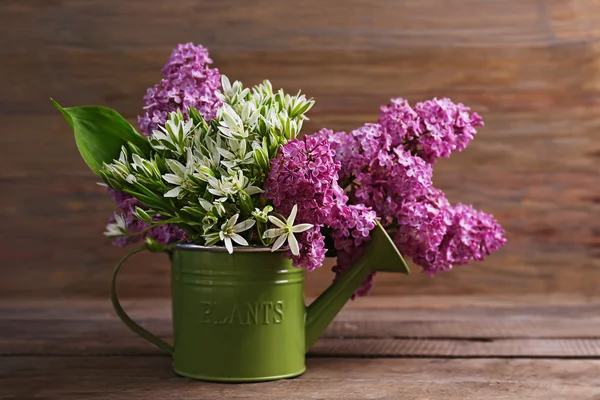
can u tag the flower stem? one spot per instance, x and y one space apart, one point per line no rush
260 234
347 182
154 224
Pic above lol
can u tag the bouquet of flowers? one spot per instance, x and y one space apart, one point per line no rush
219 164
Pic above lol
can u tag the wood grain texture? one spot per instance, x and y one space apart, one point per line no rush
90 327
61 349
149 378
531 68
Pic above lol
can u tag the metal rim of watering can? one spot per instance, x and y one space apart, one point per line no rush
220 249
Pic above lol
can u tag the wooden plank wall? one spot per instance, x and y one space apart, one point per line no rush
530 67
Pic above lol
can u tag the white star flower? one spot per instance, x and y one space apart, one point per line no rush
230 233
183 177
285 231
117 228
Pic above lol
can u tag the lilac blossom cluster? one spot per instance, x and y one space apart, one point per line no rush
381 174
388 166
439 236
187 81
306 174
163 234
433 129
351 226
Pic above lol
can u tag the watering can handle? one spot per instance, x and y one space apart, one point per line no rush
161 344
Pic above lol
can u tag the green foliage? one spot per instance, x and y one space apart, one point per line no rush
100 133
205 175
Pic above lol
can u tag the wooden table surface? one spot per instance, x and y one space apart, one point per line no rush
459 347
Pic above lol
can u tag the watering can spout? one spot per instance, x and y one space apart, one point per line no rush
380 255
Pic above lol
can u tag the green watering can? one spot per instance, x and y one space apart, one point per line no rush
241 317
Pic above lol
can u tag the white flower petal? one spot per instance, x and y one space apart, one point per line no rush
226 153
172 178
276 221
120 220
137 161
220 208
244 226
176 167
212 181
226 131
220 95
225 84
293 243
231 222
239 240
228 245
292 216
231 119
253 190
279 242
205 204
173 192
112 230
229 164
301 228
272 233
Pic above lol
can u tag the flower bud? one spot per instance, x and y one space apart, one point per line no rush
245 203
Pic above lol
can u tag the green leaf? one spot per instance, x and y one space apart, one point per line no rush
260 159
301 108
149 198
142 215
100 133
153 246
194 211
197 118
245 203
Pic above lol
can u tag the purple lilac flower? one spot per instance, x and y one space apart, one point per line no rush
438 236
187 81
346 149
400 121
163 234
388 167
381 176
433 129
312 249
390 179
445 127
305 174
472 236
374 143
358 149
422 225
351 225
